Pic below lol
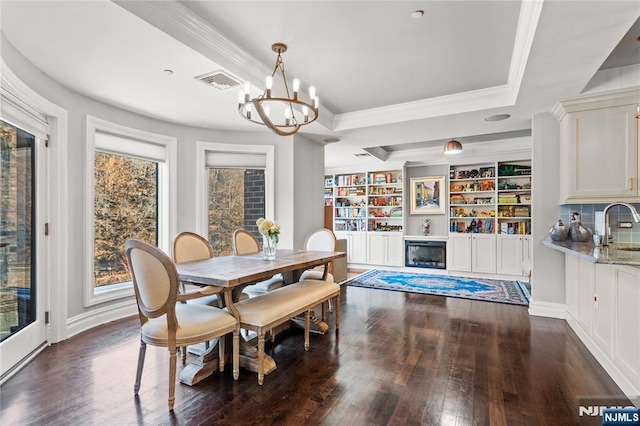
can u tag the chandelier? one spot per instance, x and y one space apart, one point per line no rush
284 116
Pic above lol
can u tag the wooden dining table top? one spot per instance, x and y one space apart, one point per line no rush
231 271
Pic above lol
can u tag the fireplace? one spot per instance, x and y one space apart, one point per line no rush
425 254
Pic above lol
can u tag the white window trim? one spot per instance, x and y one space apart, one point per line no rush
57 262
202 148
167 205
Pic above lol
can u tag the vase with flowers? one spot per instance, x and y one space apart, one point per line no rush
270 230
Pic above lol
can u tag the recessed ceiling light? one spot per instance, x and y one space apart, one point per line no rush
497 117
332 140
168 72
417 14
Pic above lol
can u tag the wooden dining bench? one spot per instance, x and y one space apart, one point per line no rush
264 312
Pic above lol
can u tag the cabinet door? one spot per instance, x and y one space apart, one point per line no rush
459 252
358 247
603 308
626 346
602 153
572 282
395 250
376 248
509 254
483 253
586 291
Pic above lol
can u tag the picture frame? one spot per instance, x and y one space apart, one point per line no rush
427 195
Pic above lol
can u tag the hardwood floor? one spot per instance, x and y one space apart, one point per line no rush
399 358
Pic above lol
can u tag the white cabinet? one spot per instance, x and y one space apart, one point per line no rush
603 308
626 317
514 254
599 148
385 249
471 253
459 252
483 253
356 246
602 330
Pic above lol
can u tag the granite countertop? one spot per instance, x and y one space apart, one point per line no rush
588 251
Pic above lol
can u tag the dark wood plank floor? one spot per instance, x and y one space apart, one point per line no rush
399 358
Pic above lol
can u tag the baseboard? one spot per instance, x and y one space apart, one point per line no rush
103 315
547 309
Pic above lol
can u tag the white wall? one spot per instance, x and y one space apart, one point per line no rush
307 167
547 281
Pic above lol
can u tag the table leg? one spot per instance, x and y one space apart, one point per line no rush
202 367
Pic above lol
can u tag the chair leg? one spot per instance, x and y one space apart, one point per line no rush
183 350
221 354
324 311
172 377
141 354
330 304
307 320
261 356
337 303
236 355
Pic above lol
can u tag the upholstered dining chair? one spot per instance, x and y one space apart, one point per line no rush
244 242
166 323
321 240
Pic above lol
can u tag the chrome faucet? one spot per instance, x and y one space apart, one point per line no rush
605 220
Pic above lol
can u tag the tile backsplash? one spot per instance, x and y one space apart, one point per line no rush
616 214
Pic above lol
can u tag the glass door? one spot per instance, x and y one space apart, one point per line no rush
22 326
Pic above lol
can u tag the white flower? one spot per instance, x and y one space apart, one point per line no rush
268 227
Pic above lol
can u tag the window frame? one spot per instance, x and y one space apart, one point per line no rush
167 205
202 179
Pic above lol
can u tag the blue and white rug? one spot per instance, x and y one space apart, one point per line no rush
513 292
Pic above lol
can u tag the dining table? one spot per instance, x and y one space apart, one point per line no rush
232 274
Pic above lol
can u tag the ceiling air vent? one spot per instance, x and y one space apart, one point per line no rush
363 154
220 79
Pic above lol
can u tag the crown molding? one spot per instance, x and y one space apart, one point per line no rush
599 100
493 97
525 33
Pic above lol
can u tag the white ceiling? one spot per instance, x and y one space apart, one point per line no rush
387 82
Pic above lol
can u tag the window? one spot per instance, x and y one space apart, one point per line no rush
236 189
130 196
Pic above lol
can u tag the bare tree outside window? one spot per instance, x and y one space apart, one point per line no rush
126 206
236 201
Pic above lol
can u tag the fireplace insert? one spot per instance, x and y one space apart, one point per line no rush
425 254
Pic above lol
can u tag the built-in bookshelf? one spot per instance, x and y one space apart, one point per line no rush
490 198
368 201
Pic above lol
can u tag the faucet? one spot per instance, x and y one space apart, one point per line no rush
605 220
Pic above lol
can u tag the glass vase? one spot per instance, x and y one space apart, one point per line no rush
269 243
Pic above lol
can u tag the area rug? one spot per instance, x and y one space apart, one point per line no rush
501 291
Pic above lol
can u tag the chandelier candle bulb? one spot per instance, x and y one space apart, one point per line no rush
296 88
312 92
247 91
248 109
305 112
287 116
268 82
316 102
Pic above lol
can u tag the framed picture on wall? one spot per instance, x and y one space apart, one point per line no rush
427 195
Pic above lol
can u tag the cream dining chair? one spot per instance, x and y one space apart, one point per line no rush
321 240
244 242
166 323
